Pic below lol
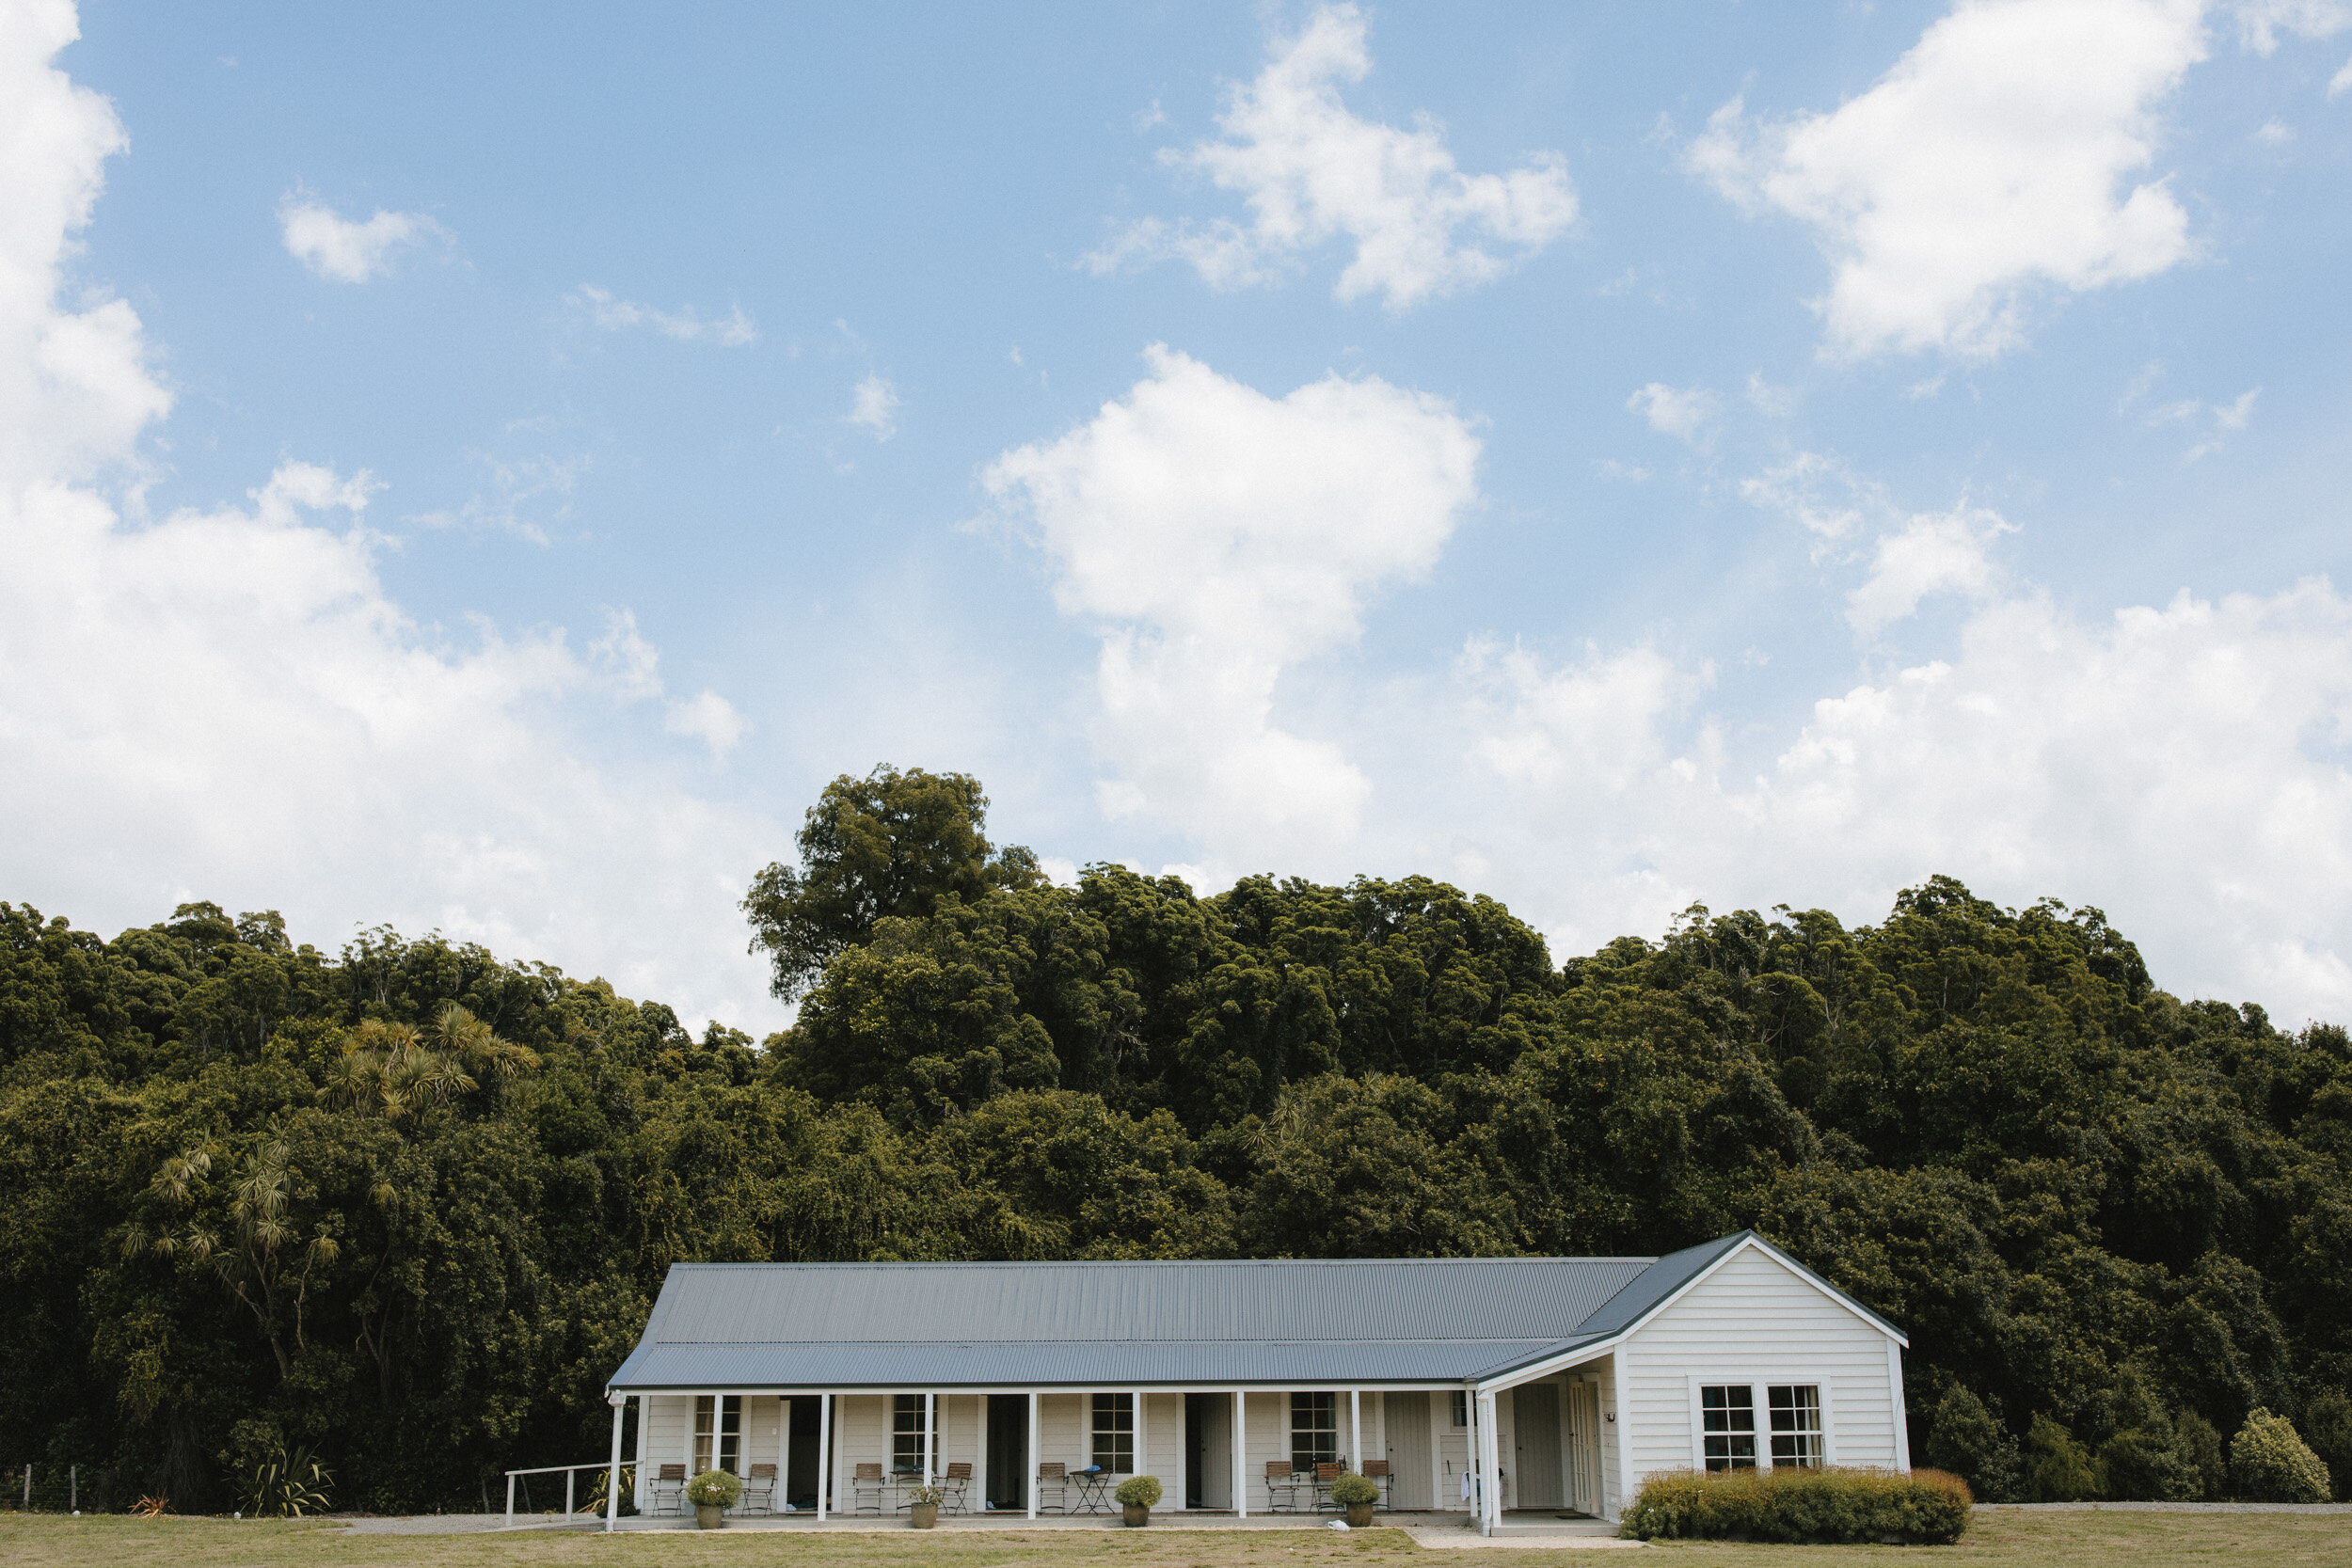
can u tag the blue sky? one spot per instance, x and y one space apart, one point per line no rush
487 472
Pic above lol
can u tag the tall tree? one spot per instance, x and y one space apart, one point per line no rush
890 844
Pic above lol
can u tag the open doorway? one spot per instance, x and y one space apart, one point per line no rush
1007 1483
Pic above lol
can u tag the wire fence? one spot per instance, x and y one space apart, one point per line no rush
66 1489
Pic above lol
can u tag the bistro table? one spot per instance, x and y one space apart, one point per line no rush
1091 1483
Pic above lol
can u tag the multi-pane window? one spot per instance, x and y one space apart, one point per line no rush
718 1424
1314 1430
906 1433
1796 1411
1727 1412
1115 1433
1461 1407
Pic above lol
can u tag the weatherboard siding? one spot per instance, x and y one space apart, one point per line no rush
1755 1321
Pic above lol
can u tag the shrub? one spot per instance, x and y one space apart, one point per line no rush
714 1489
2270 1463
927 1495
1925 1507
2327 1428
2057 1468
2144 1459
2203 1445
1350 1489
288 1486
1967 1440
1139 1491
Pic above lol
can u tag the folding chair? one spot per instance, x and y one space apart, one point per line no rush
868 1488
669 1490
759 1490
954 1484
1327 1472
1052 1473
1281 1487
1377 1470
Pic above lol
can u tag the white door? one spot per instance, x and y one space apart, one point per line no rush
1584 1448
1408 1450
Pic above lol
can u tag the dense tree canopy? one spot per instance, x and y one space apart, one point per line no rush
408 1204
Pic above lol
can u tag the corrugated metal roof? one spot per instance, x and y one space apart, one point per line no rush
1109 1323
1316 1323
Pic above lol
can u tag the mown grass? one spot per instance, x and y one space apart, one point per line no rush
2084 1539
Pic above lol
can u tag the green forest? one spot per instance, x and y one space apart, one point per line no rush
406 1205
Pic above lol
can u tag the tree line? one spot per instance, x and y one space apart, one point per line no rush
404 1207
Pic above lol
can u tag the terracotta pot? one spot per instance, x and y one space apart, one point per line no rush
1359 1515
923 1516
1134 1513
709 1517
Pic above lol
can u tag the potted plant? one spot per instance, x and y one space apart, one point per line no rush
923 1506
712 1492
1135 1496
1356 1494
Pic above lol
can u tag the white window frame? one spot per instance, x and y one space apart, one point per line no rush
1759 1386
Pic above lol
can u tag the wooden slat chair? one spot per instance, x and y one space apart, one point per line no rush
759 1490
1328 1471
1055 1474
1377 1470
669 1489
868 1488
954 1483
1281 1487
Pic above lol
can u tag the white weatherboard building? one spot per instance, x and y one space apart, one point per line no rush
1537 1386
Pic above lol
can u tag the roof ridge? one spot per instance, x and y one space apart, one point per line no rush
1152 1263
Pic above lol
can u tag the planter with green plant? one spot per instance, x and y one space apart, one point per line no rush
1357 1495
1135 1496
712 1492
923 1506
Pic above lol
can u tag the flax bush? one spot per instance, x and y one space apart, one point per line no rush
1925 1507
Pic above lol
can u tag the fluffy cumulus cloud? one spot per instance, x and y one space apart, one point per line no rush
1218 536
608 310
2007 152
1311 171
227 703
2182 765
348 250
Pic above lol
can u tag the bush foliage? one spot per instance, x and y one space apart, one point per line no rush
1139 1491
406 1205
714 1489
1349 1489
2270 1464
1924 1508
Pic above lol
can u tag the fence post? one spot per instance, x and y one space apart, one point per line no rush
28 1489
567 1492
510 1500
74 1487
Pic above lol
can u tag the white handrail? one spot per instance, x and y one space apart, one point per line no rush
547 1470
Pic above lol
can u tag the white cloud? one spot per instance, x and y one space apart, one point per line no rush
2180 767
1773 403
345 251
1939 553
615 314
1997 157
1683 415
2261 22
874 407
1220 536
228 703
2275 132
1819 493
1311 171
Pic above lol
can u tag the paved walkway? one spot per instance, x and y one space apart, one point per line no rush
1437 1531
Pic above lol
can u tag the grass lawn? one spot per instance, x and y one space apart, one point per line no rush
2059 1540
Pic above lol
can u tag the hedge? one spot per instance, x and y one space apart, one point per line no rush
1925 1507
